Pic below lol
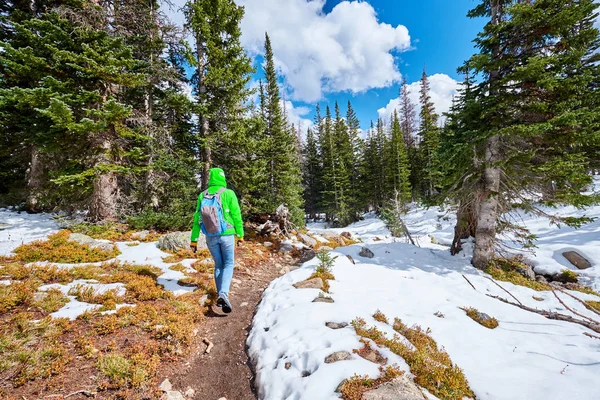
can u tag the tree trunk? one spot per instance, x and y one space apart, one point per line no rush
103 206
202 119
34 181
466 225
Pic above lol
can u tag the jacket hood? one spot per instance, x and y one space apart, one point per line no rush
216 177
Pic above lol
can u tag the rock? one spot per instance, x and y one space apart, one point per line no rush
222 398
541 279
288 365
91 242
577 259
314 283
203 300
400 388
165 386
286 248
338 356
189 393
268 244
244 304
235 280
340 386
336 325
307 240
307 255
527 272
334 238
366 252
347 235
573 286
259 252
172 395
284 270
323 300
141 235
179 241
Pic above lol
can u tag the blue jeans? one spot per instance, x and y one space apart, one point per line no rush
222 249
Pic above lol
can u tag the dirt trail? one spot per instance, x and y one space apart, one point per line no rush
226 371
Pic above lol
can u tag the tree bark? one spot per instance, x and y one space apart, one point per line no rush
488 192
34 181
466 225
202 119
103 206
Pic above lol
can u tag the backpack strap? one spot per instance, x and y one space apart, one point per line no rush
217 195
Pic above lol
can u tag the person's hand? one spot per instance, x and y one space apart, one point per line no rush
194 246
240 242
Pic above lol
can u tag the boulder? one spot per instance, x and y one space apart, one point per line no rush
307 255
541 279
338 356
577 259
527 272
141 235
400 388
336 325
307 240
314 283
179 241
91 242
366 252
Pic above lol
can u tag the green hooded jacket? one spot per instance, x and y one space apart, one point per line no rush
231 206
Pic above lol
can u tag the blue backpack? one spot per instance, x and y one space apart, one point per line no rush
211 211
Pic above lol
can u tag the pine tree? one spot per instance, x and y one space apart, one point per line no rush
537 63
408 115
311 171
344 160
429 133
356 162
399 163
285 177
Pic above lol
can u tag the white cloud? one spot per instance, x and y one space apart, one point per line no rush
297 115
345 50
443 88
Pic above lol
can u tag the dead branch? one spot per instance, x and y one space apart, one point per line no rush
209 344
586 305
552 315
469 283
590 335
509 293
570 309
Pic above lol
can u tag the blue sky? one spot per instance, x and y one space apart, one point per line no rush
440 39
340 50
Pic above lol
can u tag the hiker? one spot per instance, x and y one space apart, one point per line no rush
218 216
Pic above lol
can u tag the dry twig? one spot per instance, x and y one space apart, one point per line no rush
469 282
509 293
209 344
570 309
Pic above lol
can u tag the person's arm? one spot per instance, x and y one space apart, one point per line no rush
196 226
236 215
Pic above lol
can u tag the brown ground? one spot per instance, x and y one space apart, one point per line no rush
226 371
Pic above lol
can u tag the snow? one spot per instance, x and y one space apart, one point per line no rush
526 357
19 228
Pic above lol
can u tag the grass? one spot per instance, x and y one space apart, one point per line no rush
566 275
432 367
594 304
506 270
587 290
184 254
111 231
355 387
58 249
475 315
16 294
178 267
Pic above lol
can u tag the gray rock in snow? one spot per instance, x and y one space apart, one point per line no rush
286 248
366 252
336 325
307 240
179 241
314 283
338 356
401 388
577 259
527 272
141 235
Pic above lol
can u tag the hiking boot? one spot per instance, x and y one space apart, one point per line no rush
225 304
220 302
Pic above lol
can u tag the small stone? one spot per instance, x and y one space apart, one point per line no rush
527 272
166 386
286 248
288 365
340 386
314 283
323 300
577 259
307 240
307 255
268 244
195 332
234 280
189 393
141 235
541 279
259 252
244 304
347 235
338 356
366 252
222 398
284 270
336 325
203 300
439 314
305 374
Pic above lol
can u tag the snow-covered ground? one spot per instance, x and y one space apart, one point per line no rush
19 228
526 357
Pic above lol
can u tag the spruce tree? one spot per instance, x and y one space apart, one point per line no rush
284 175
400 166
311 170
429 133
537 61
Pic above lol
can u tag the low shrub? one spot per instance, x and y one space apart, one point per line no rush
566 275
594 304
58 249
162 222
506 270
52 301
379 316
477 316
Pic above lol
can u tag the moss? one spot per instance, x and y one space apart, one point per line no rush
432 367
475 315
587 290
506 270
594 304
567 275
58 249
355 387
